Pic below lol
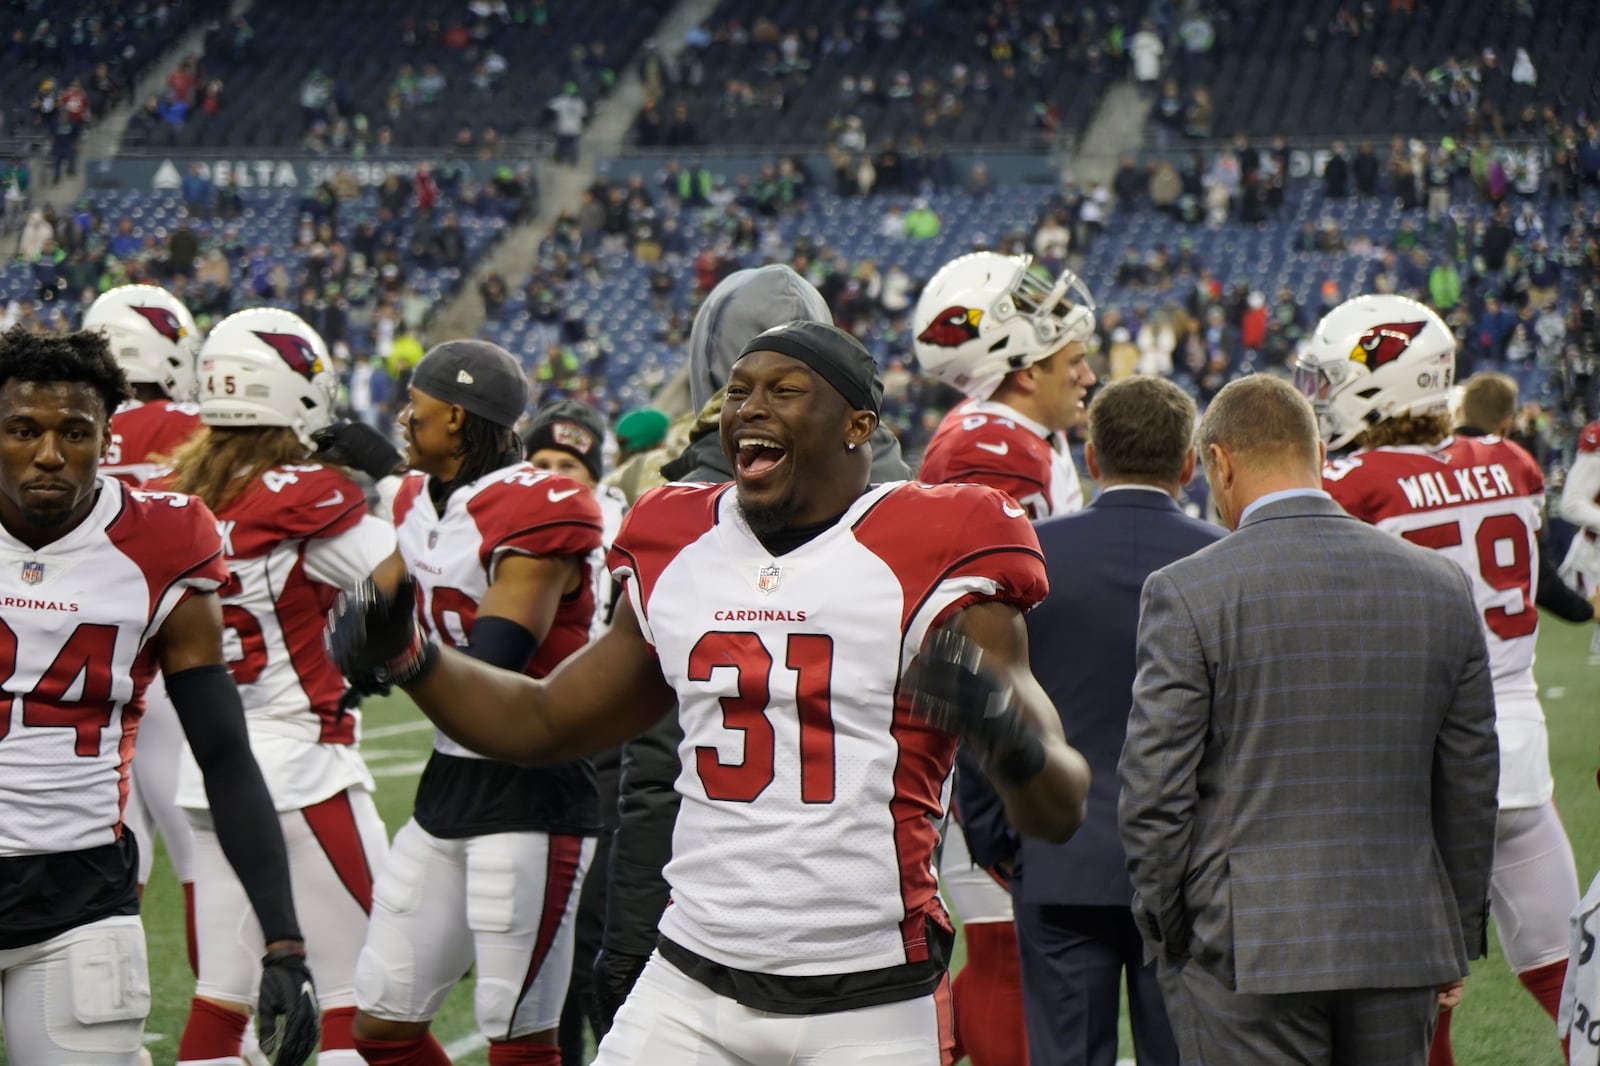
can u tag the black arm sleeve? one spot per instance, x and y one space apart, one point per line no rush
502 642
212 716
990 838
1556 596
647 809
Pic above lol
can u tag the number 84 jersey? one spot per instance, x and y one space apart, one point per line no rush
811 798
1480 501
76 618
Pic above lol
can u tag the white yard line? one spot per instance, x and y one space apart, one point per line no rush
400 769
460 1049
395 730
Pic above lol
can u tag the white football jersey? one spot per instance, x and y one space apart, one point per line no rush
516 509
1479 501
811 796
293 540
76 618
981 442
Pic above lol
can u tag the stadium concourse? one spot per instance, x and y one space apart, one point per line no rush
1220 173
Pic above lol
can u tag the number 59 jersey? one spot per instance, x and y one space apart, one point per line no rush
76 619
1479 501
811 797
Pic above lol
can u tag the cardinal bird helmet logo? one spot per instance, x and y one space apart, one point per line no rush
952 327
163 321
1384 344
295 350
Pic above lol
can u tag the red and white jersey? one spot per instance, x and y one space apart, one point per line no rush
985 443
1580 505
143 432
293 539
811 796
76 619
1480 501
516 509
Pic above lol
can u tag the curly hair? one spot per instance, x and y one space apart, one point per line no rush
81 357
1409 429
218 463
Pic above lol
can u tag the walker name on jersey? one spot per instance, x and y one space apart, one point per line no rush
1448 488
25 603
752 615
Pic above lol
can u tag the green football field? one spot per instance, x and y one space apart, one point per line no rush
1497 1025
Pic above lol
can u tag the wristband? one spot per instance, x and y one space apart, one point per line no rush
412 664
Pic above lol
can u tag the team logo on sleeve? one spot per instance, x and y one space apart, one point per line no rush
295 350
952 327
767 578
32 573
163 321
1384 344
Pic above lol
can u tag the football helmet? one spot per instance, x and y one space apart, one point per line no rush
153 337
1373 358
266 367
984 315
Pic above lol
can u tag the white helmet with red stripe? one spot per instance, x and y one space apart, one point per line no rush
266 367
153 337
984 315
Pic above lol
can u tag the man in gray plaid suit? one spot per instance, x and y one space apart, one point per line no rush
1308 783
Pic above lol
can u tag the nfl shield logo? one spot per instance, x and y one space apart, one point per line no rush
433 537
767 579
33 573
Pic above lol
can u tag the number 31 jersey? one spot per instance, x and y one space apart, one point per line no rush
1480 501
76 618
811 797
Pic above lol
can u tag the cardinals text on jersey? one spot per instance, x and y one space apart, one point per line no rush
75 619
1478 500
811 798
987 443
142 434
292 539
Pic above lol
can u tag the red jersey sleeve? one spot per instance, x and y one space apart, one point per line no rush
970 537
173 538
405 497
305 502
534 513
1354 485
656 528
1589 439
987 450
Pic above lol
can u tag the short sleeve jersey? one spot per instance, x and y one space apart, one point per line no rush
144 433
1479 501
76 620
811 797
452 556
986 443
273 612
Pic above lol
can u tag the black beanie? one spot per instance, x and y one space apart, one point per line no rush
572 426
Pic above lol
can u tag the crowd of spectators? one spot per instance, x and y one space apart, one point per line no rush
875 74
351 265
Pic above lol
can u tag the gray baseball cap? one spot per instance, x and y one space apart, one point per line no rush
482 377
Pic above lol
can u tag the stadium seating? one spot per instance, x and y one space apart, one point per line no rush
1268 76
66 42
361 45
1016 59
267 227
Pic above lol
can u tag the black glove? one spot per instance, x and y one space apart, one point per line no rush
375 640
614 975
288 1019
360 447
953 688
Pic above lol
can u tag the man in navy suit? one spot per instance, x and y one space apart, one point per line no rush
1075 929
